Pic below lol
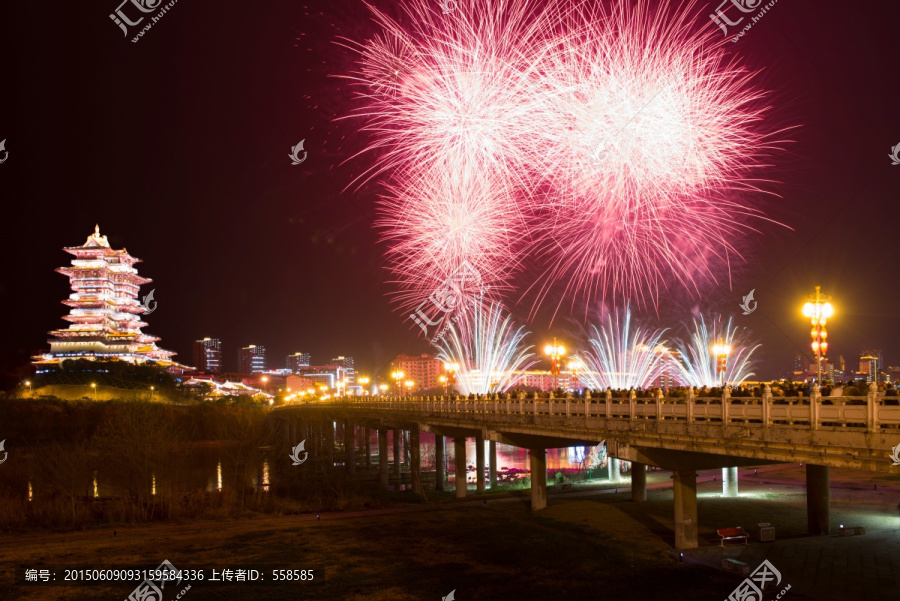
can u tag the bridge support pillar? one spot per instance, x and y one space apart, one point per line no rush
615 472
415 460
685 488
818 499
638 482
438 463
493 462
729 481
397 446
329 442
368 448
479 463
382 459
538 479
459 450
350 446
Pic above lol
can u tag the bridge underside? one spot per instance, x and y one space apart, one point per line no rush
680 447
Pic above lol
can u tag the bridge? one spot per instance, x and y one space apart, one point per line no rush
681 434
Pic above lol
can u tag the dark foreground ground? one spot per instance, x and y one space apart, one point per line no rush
595 546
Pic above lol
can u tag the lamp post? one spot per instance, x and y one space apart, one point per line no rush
443 380
383 388
93 390
397 376
28 386
721 351
451 368
364 381
409 386
574 365
152 388
555 351
265 380
818 309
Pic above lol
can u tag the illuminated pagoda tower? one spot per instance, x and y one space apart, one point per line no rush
105 313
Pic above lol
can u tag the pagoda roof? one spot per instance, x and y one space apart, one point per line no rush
98 245
76 270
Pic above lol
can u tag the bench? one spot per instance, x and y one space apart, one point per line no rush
733 565
736 533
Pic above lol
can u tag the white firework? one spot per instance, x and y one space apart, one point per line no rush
488 348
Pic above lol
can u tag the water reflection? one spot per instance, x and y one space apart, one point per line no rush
211 465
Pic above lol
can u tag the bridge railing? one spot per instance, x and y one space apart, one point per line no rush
871 413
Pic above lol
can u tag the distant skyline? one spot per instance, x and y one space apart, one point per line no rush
178 147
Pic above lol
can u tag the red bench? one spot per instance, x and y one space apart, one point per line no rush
736 533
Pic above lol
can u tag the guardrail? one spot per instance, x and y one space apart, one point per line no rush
870 413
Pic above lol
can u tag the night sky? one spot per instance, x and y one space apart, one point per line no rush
178 145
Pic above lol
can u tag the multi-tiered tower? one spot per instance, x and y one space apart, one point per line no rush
104 315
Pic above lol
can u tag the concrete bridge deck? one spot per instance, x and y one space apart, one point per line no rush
682 434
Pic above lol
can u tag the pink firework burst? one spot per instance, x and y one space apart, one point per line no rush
616 145
446 99
655 133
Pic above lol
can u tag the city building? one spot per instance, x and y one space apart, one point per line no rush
296 361
347 364
104 314
252 359
868 367
424 370
208 355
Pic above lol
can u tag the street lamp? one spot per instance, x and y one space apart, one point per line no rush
574 365
451 369
152 388
443 380
28 385
383 388
721 350
364 381
555 351
265 380
397 376
818 309
93 390
409 385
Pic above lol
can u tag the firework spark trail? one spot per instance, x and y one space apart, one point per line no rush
613 144
697 365
488 348
677 123
622 357
444 98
